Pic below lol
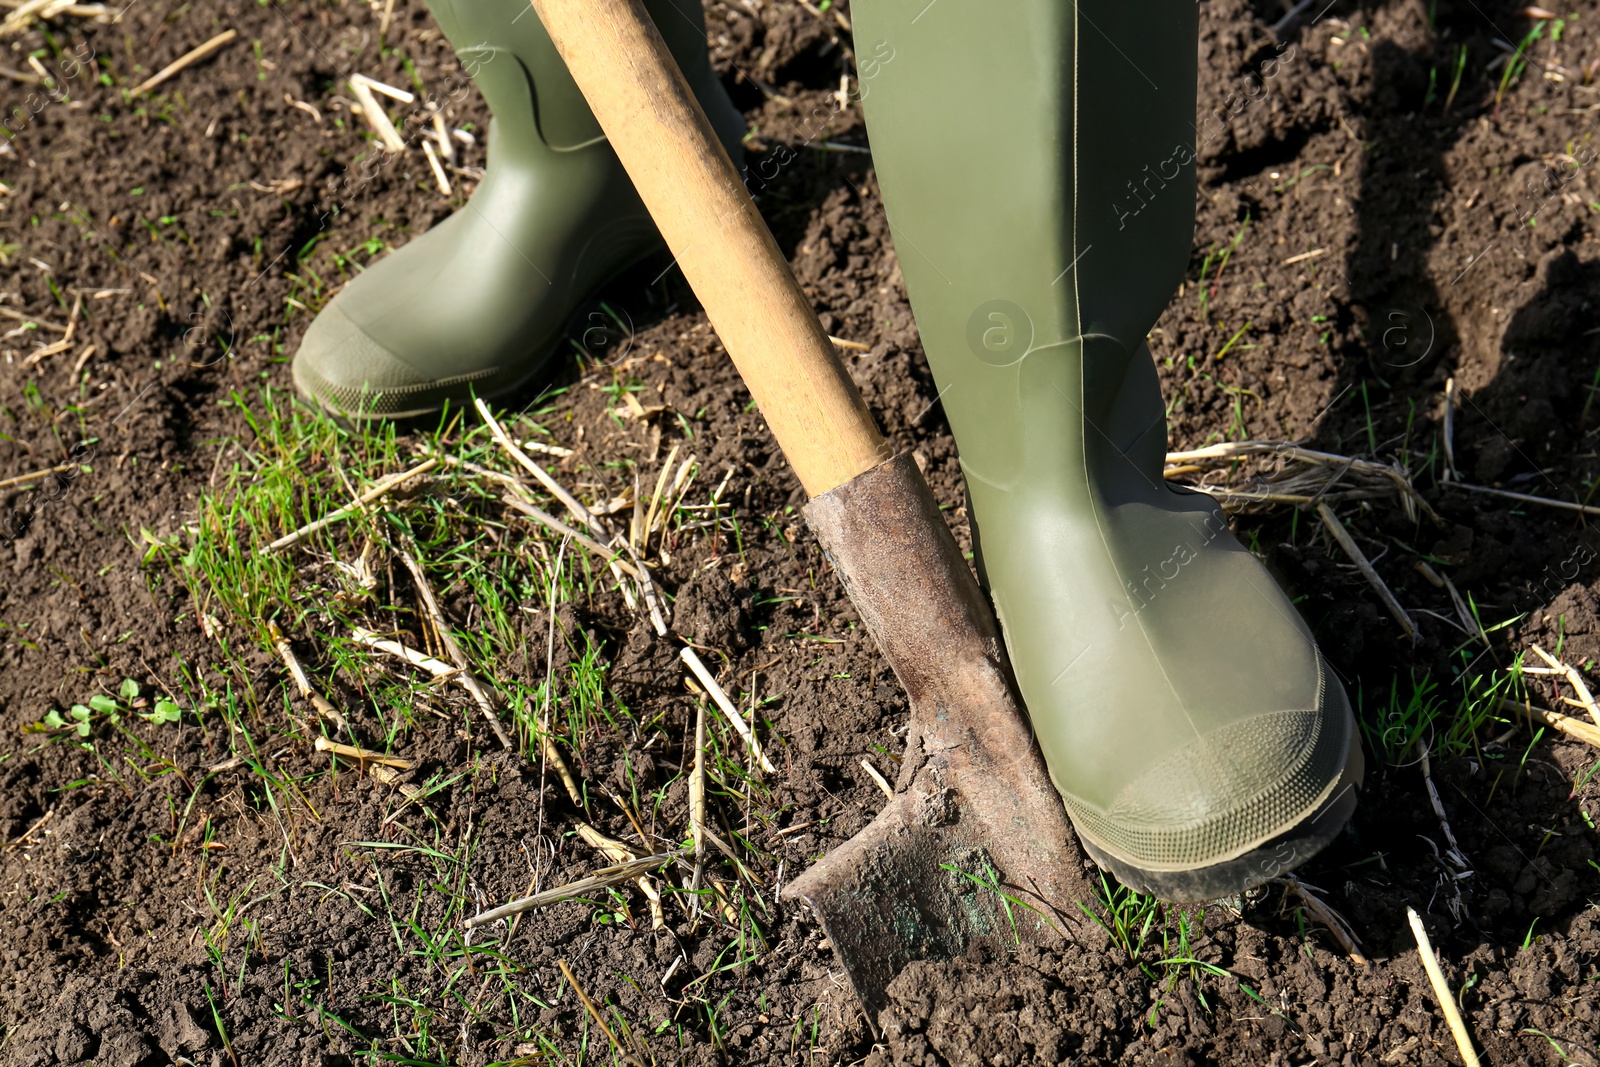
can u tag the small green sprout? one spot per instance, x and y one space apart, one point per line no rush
165 711
79 720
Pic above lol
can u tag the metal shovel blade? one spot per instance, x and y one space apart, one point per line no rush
975 848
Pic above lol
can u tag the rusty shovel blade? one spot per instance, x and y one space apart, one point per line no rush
975 848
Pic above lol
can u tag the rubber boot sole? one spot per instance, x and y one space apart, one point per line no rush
1263 863
488 387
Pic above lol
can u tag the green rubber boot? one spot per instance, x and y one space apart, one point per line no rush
1042 202
476 304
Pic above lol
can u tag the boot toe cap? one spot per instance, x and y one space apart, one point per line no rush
1227 791
340 366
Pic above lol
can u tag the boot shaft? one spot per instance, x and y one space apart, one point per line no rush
1036 163
505 48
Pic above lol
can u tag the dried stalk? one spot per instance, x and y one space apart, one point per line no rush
361 86
576 509
362 755
883 783
1310 482
562 771
617 852
26 11
24 479
1543 501
559 451
189 58
29 10
1585 698
452 648
727 706
655 509
438 668
553 756
388 90
1464 613
609 555
600 1020
329 712
547 745
1454 852
1441 989
23 317
441 133
281 645
652 601
697 785
383 488
1351 549
600 879
66 342
1324 914
1450 429
1570 725
439 176
697 809
556 489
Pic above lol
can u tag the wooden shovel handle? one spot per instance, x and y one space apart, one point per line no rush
700 204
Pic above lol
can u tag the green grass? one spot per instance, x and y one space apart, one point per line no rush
1228 345
1208 289
502 582
1458 68
1123 914
1010 904
1517 63
1419 710
1136 925
1393 726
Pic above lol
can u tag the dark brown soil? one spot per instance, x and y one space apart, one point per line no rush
1447 243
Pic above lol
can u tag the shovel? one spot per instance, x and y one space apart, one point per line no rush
975 848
